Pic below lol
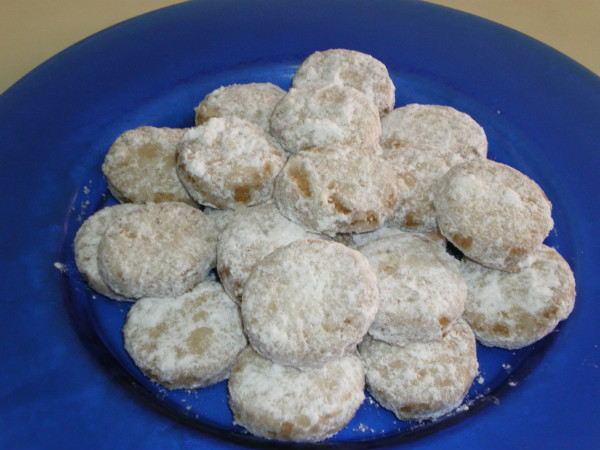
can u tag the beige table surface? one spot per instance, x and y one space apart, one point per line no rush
32 31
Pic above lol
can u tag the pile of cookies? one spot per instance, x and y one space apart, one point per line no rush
326 214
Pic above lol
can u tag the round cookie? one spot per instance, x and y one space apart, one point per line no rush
417 172
227 162
513 310
421 289
350 68
309 302
253 102
493 213
323 116
433 127
140 166
336 191
159 250
185 342
250 236
422 380
86 243
290 404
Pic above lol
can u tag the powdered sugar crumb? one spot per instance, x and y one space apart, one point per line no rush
83 209
363 428
60 266
462 408
372 402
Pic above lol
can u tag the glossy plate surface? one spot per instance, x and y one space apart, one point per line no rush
67 383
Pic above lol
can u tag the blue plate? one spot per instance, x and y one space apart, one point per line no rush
66 381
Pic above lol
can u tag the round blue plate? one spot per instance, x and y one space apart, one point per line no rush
66 381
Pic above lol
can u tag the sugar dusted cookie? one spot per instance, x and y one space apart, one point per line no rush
417 173
253 102
290 404
227 162
337 191
86 243
309 302
140 166
513 310
159 250
323 116
185 342
422 380
250 236
350 68
433 127
421 289
493 213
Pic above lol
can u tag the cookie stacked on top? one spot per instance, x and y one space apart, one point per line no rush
325 212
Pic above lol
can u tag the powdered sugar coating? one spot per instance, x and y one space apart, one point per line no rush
286 403
337 191
356 240
493 213
227 162
422 380
159 250
417 172
253 102
433 127
86 243
350 68
322 116
140 166
220 217
309 302
185 342
513 310
250 236
421 289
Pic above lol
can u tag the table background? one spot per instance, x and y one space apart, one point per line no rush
32 31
